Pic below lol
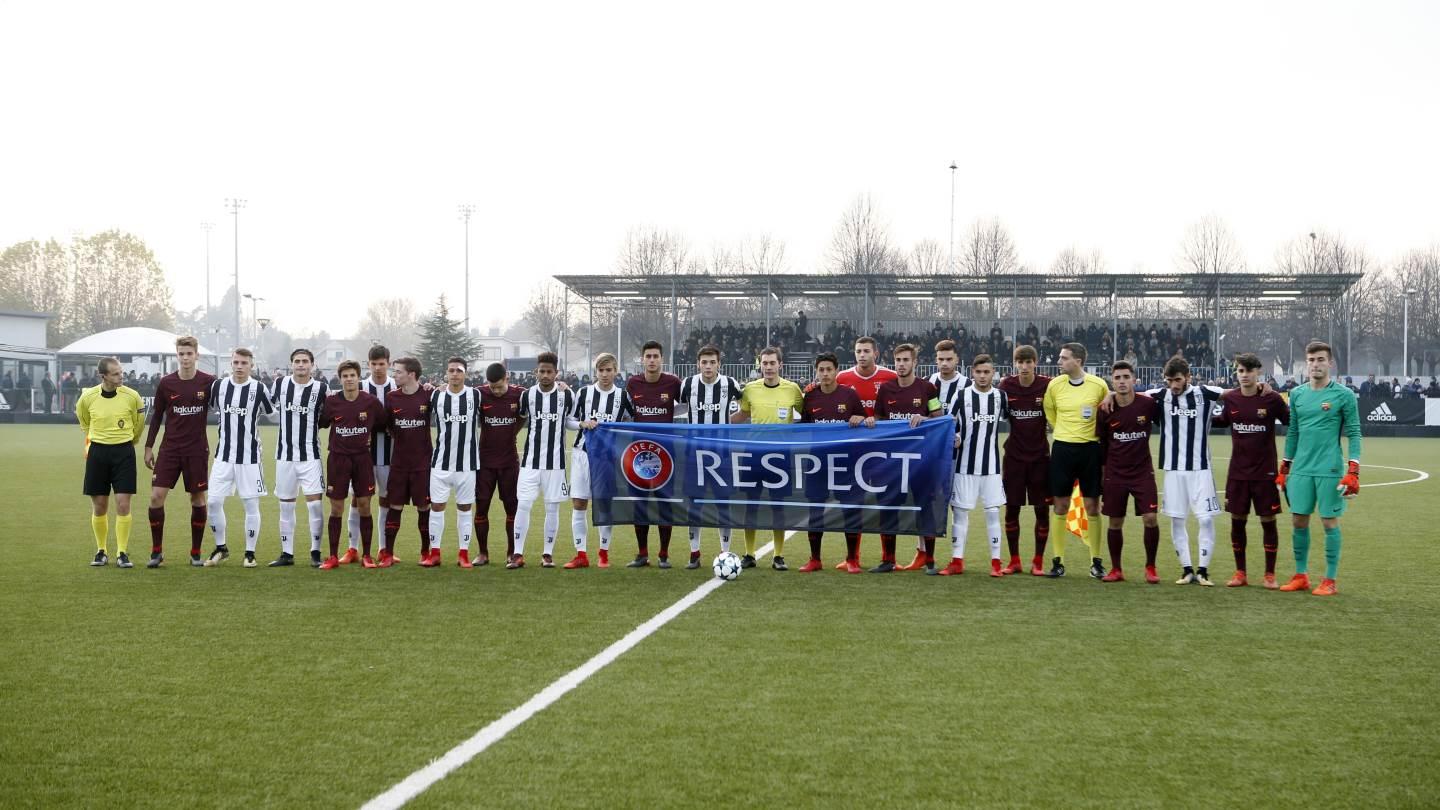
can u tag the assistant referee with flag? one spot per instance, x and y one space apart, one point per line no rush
109 414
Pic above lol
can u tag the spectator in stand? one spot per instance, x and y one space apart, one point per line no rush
1433 390
1368 387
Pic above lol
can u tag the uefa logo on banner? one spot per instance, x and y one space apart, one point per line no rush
647 465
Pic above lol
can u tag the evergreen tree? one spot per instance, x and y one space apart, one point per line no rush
440 338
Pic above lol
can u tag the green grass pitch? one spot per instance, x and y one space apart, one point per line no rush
242 688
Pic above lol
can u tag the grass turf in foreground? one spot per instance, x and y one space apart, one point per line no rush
235 688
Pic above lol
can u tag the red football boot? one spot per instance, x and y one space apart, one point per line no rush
1037 567
1299 582
1327 588
996 570
350 556
916 564
853 567
386 559
813 565
332 562
581 560
1014 567
604 558
1115 575
955 568
463 559
431 559
367 562
1151 577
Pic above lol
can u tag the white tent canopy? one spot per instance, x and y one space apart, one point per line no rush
128 340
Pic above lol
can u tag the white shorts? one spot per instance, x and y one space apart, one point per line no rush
550 483
299 476
1192 490
245 480
382 481
443 484
987 489
579 474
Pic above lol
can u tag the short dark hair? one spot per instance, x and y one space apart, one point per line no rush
1077 350
244 352
305 352
1123 365
866 339
1247 361
772 350
903 348
465 364
378 352
652 344
1315 346
1175 366
102 367
495 372
980 360
547 357
827 357
708 349
1026 352
410 364
946 345
348 365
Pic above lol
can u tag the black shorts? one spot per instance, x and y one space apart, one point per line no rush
110 466
1071 462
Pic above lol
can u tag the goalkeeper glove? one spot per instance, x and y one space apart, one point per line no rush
1284 473
1349 486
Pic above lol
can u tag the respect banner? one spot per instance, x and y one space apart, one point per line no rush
891 478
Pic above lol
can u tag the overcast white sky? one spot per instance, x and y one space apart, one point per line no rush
355 129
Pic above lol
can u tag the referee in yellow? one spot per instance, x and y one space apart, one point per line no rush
1072 402
771 400
109 414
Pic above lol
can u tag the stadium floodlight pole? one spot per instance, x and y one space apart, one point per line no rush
207 227
254 300
466 209
952 217
235 204
1405 337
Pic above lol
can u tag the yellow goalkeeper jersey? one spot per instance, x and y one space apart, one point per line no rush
1072 408
111 419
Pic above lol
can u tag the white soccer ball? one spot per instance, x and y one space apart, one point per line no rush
727 566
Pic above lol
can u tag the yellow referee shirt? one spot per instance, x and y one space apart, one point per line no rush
111 419
771 405
1072 408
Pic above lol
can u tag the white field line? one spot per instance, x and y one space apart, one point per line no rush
417 782
1420 475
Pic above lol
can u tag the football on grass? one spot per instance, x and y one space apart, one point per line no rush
727 566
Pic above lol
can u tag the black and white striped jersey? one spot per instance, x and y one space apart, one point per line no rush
381 443
546 412
602 406
297 407
239 406
977 419
709 403
457 429
1184 422
949 388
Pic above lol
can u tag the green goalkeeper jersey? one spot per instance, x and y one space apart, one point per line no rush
1317 421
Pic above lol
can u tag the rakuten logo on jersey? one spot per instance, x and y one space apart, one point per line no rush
499 421
651 410
1243 427
1132 436
1382 413
1023 415
348 430
187 410
409 424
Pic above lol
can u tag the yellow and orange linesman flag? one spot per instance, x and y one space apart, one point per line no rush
1076 519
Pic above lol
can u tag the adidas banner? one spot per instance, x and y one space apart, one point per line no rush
1388 411
890 478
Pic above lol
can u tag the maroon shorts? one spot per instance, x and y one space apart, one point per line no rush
169 467
1241 495
1115 492
1026 482
486 481
408 486
345 472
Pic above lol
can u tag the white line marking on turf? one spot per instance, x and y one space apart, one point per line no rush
417 782
1420 475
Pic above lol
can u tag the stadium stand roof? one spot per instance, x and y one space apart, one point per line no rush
1323 286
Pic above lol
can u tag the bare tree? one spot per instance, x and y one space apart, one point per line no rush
1419 272
391 323
987 250
545 314
861 243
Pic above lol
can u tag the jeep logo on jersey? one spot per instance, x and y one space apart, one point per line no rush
1382 413
293 408
647 465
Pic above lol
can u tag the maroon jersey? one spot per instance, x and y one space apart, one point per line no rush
182 405
1027 440
499 427
1252 433
654 402
1125 441
352 422
407 418
894 402
836 406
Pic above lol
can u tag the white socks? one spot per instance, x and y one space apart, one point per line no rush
578 530
1207 540
522 525
606 532
287 527
1180 536
958 529
552 525
724 539
465 525
694 540
353 528
217 518
437 529
992 529
252 522
315 510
